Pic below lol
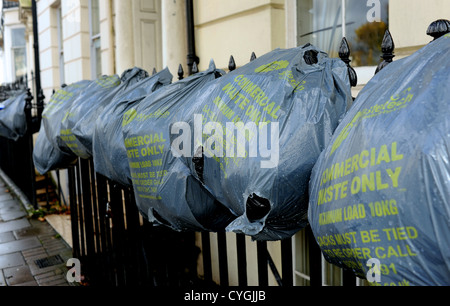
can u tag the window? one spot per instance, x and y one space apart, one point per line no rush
19 54
94 21
323 23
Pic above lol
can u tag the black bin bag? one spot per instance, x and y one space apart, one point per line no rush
87 113
165 190
13 122
99 90
380 192
47 153
109 152
264 126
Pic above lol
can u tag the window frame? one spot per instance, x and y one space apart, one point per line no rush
13 53
95 39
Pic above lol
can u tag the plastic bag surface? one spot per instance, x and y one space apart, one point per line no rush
88 112
165 190
261 129
47 154
380 192
109 152
99 90
13 122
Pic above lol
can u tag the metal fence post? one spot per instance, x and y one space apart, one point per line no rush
315 259
29 136
263 273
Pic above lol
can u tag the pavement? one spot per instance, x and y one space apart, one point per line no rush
32 253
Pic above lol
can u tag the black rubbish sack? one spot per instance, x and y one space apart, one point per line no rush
94 105
13 122
47 153
261 129
109 152
165 190
94 94
380 192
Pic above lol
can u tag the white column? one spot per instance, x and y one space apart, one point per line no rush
173 15
107 39
124 35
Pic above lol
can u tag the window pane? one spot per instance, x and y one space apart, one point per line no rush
18 37
20 62
97 57
95 18
320 22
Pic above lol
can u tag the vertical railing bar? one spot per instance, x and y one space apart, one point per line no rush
118 229
274 269
87 206
348 278
102 192
315 259
223 258
58 180
29 136
47 198
80 207
241 259
287 269
263 273
73 213
96 226
88 220
132 217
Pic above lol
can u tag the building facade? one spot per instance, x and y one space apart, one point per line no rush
83 39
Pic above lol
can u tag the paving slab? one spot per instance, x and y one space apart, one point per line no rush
13 225
13 216
19 245
37 229
19 275
6 237
11 260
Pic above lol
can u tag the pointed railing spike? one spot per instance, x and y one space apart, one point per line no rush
387 48
387 45
231 64
180 72
344 51
194 68
344 55
438 28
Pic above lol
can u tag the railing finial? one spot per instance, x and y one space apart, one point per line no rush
194 68
344 55
438 28
387 47
231 64
180 72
